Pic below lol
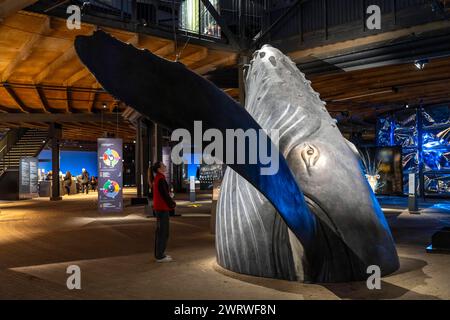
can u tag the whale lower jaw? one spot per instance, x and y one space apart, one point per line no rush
257 241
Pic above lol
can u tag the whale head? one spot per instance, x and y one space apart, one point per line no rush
323 162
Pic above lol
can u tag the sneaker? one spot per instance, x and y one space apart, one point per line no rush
165 259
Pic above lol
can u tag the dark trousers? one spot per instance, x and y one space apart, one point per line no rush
162 233
86 187
67 189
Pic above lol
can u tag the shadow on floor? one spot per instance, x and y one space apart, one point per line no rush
350 290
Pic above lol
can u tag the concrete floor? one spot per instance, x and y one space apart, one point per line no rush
39 239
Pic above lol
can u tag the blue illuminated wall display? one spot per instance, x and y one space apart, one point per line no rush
72 161
424 135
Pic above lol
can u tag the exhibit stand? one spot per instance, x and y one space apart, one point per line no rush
110 179
412 194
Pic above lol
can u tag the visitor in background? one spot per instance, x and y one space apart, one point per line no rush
93 183
85 180
49 176
162 204
79 184
67 181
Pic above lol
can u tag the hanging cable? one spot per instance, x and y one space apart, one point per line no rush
174 29
178 55
117 120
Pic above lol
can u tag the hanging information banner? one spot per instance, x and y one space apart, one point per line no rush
34 177
110 178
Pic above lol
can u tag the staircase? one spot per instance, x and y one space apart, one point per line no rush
29 144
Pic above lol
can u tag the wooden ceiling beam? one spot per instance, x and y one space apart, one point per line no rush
84 72
69 100
17 100
93 96
27 48
57 63
9 7
134 40
165 50
9 110
200 54
401 77
231 59
59 117
43 99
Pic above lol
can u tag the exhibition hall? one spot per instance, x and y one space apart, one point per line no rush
253 150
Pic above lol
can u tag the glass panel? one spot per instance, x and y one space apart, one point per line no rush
189 15
436 159
405 120
383 169
209 26
437 184
436 116
410 160
384 132
405 138
193 13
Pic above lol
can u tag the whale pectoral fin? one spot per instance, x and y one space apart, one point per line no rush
172 95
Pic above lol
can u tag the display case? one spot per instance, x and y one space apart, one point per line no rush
424 137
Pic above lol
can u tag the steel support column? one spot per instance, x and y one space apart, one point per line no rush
138 158
55 136
243 62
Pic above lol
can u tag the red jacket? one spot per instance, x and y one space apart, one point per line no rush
161 198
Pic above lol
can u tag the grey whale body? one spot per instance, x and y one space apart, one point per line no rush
266 226
354 233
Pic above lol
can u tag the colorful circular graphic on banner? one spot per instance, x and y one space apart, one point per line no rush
111 157
111 188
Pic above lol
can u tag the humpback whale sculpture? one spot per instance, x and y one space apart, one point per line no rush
266 226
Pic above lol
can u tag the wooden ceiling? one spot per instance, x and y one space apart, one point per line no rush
366 93
41 73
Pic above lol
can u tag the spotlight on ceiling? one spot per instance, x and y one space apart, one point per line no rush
104 105
420 64
85 7
407 106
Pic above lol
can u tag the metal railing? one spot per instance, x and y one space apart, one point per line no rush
254 22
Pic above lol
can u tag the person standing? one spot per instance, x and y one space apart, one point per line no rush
85 180
93 183
162 204
68 182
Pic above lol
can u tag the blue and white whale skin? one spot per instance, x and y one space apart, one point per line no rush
353 231
170 94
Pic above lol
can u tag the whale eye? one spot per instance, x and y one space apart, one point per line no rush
310 155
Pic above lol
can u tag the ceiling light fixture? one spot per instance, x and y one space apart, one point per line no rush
420 64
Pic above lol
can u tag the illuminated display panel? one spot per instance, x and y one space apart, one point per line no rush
424 137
